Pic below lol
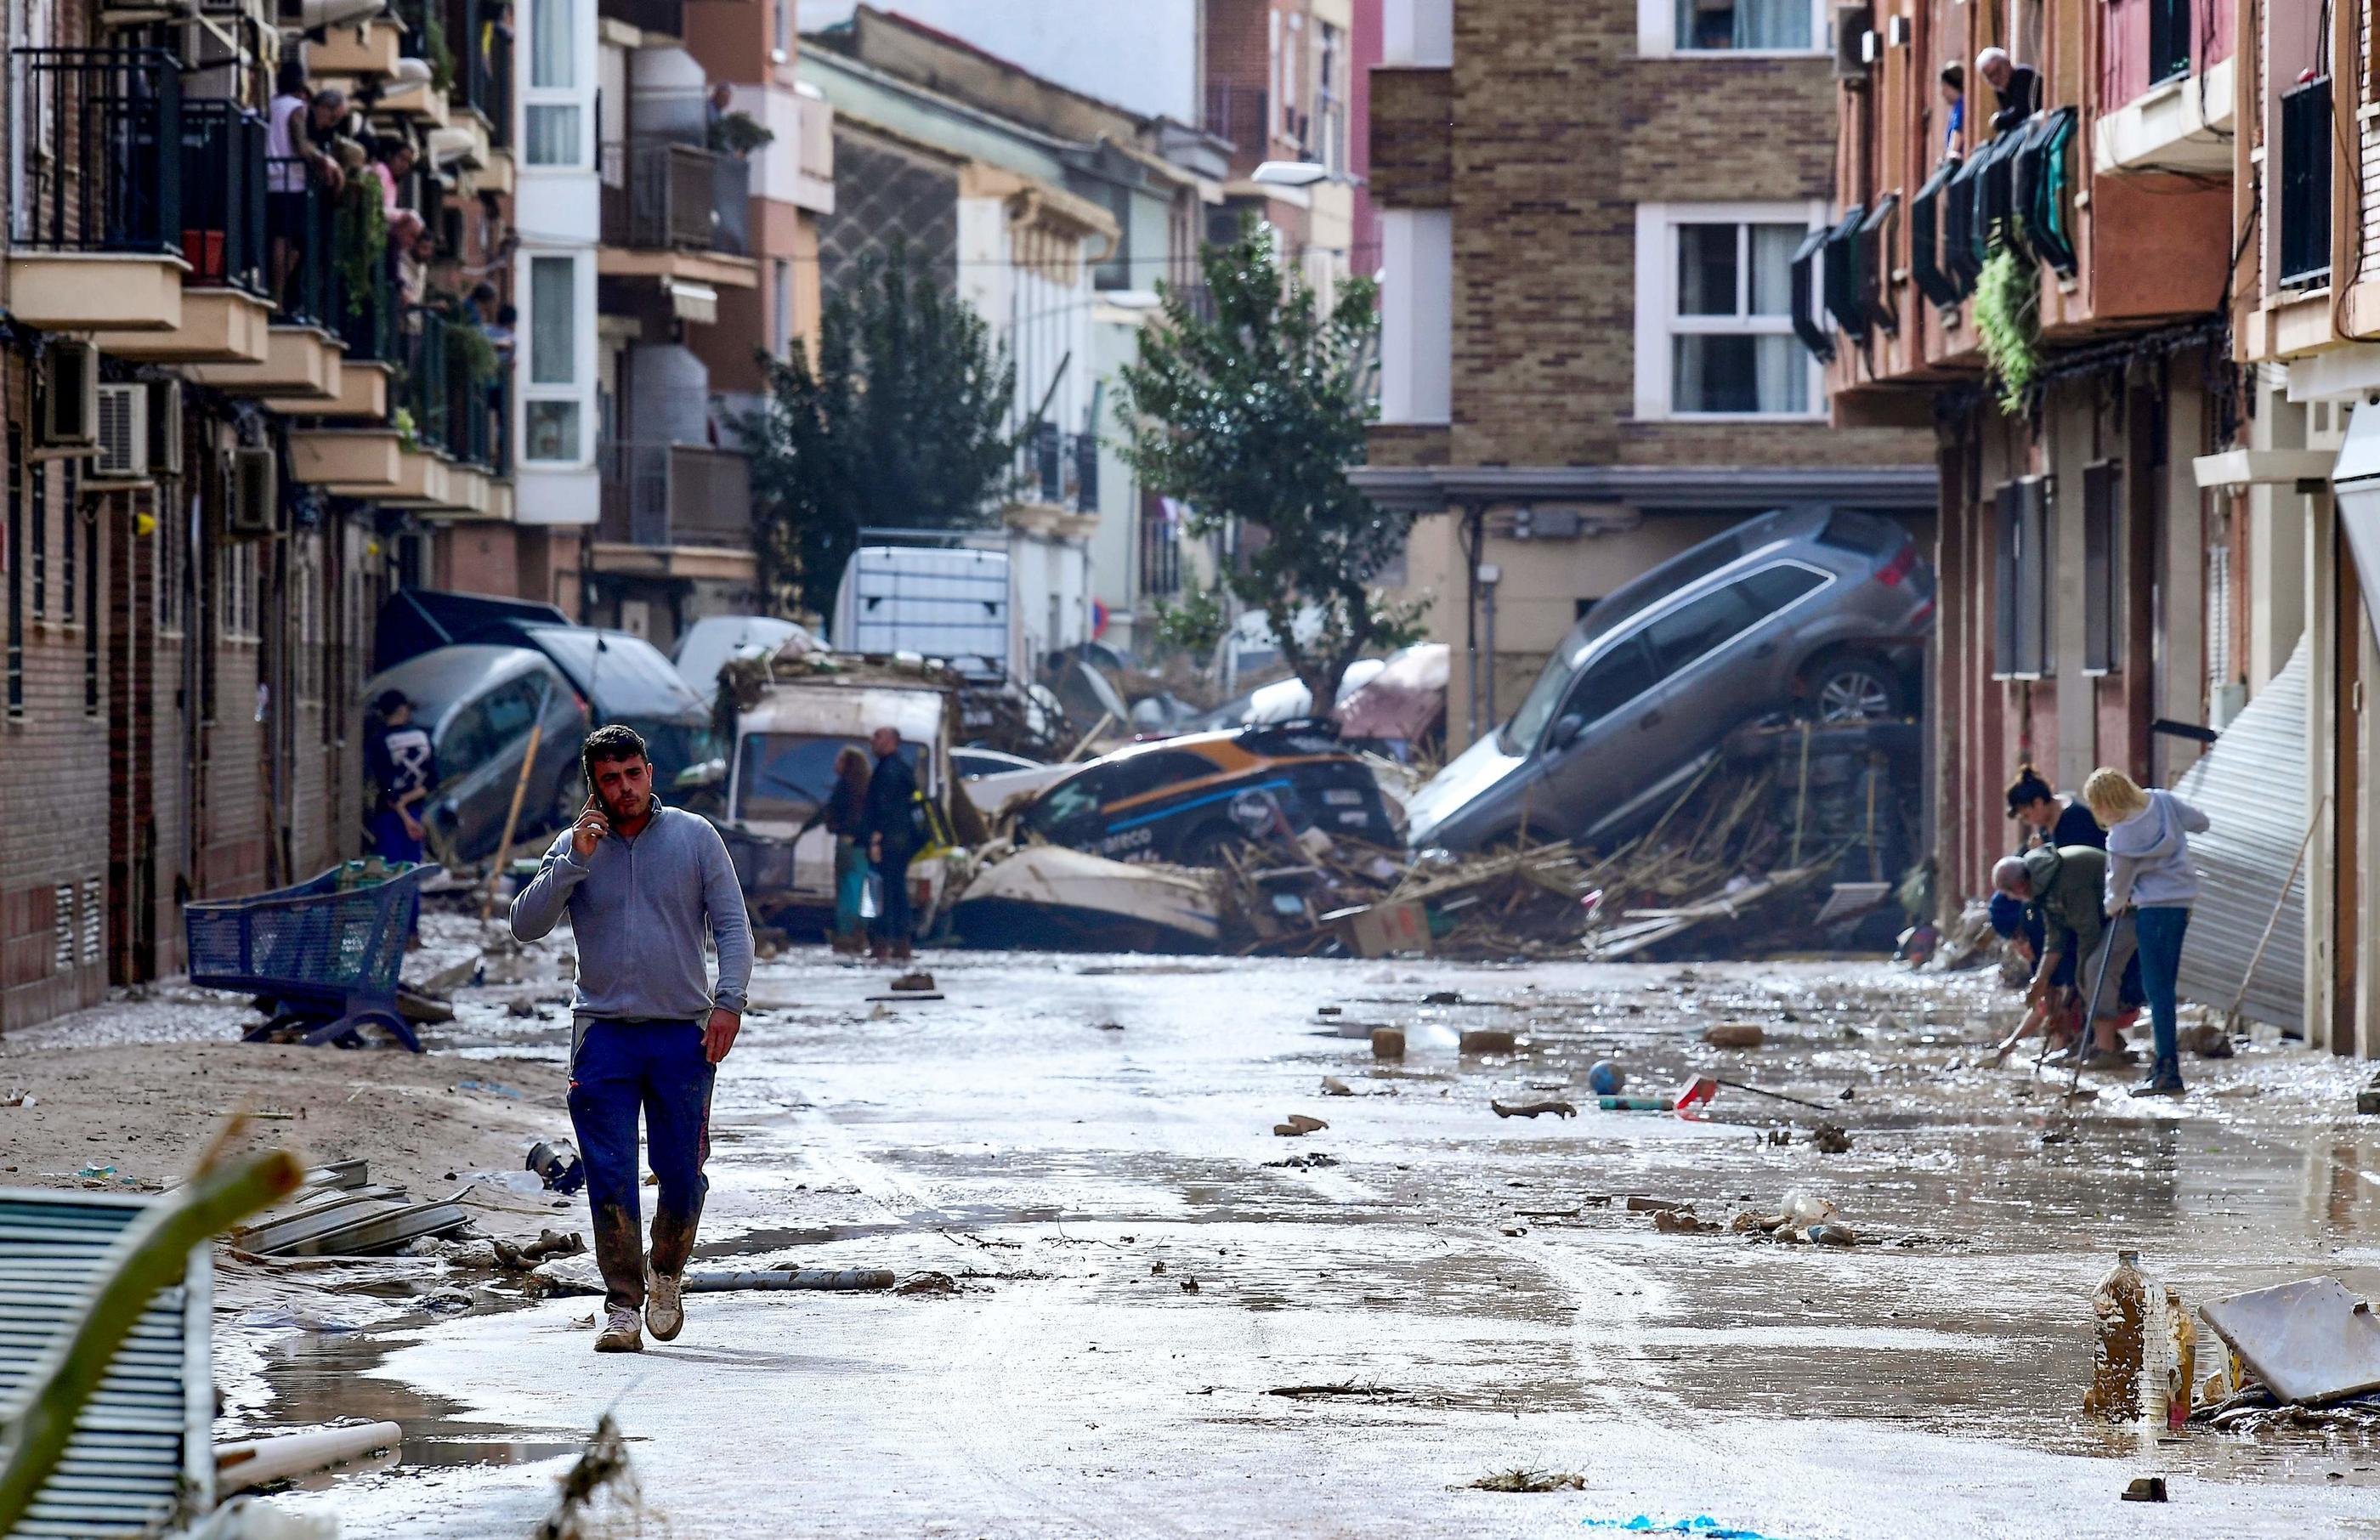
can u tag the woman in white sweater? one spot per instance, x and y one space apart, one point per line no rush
2150 873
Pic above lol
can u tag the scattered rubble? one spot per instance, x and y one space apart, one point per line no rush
1526 1481
1532 1109
1298 1124
1486 1040
1734 1034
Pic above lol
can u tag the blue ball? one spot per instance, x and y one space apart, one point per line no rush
1605 1079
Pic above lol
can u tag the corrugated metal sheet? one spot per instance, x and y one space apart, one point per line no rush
2252 786
142 1453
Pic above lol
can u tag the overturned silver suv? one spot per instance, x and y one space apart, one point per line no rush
1824 611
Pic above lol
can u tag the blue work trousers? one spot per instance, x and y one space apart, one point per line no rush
618 1068
2161 928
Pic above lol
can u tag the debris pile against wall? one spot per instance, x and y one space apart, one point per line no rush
1776 844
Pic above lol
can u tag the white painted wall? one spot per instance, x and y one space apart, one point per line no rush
1416 315
1143 54
1417 33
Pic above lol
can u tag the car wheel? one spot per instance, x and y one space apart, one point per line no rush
1853 689
1204 846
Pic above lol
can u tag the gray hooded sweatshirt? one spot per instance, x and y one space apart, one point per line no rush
2148 856
639 911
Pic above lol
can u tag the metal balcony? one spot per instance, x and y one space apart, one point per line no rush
660 195
101 157
675 494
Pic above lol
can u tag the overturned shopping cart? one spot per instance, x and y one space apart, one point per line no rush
322 957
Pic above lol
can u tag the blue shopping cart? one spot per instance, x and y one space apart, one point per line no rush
322 957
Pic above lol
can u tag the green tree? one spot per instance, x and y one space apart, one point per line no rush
898 422
1254 412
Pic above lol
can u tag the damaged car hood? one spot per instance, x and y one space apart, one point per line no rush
1470 773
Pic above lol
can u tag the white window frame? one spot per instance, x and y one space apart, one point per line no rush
1656 304
1656 35
580 388
579 93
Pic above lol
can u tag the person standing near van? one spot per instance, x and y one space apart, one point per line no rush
2150 873
402 764
845 813
891 823
644 885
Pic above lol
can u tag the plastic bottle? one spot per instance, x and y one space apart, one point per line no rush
2119 1306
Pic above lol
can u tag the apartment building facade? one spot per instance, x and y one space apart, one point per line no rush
235 390
1189 97
2142 552
709 168
1589 216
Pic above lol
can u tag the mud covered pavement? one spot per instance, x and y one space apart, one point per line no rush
1171 1320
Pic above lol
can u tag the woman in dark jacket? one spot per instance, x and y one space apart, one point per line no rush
845 813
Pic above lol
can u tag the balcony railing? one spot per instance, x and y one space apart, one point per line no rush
301 223
101 149
364 311
675 494
660 195
457 390
223 177
2305 185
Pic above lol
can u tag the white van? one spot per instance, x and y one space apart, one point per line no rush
783 766
933 600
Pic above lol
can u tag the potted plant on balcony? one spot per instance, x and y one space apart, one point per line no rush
2007 323
739 134
359 240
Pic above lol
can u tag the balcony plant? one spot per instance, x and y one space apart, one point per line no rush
359 240
434 49
739 134
469 353
2008 324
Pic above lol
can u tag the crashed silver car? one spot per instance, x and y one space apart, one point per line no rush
1821 610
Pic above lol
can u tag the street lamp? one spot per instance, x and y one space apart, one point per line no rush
1290 174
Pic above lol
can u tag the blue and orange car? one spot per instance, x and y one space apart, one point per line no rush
1184 800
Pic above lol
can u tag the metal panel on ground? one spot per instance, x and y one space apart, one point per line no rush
142 1455
2251 785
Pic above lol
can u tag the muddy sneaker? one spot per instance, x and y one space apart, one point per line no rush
2163 1081
664 1312
620 1334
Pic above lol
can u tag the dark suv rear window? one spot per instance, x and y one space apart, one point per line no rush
1863 534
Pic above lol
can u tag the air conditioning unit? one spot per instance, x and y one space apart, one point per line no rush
165 427
252 511
122 452
69 396
1852 25
138 13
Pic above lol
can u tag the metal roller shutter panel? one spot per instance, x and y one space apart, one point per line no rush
2252 786
142 1455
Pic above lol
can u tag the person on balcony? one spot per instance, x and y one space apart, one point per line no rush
391 163
1954 102
2018 86
296 135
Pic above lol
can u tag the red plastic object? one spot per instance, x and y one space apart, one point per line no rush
1695 1095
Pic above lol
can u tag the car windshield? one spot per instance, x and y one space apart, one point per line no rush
786 775
1528 723
671 746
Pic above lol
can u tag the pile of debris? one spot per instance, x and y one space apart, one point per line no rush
340 1212
1747 830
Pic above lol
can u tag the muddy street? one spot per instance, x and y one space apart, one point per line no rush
1171 1319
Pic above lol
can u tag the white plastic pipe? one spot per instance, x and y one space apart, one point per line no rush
261 1462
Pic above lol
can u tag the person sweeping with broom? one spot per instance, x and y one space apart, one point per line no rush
2149 872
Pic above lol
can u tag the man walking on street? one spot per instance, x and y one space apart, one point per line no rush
642 884
891 825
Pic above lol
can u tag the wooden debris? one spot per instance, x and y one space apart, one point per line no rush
1531 1109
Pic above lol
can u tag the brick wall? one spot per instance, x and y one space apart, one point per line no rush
54 803
1559 129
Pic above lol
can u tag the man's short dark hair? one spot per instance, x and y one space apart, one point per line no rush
1954 75
606 744
389 700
